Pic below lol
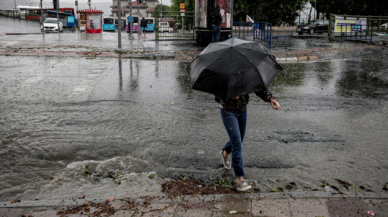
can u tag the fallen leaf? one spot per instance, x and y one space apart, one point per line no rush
111 199
233 212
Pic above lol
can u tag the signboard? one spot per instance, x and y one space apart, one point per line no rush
182 5
182 12
358 25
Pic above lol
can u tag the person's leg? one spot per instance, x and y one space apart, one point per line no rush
242 123
218 33
213 34
232 127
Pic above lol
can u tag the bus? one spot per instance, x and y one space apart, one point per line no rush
123 23
150 25
108 24
135 25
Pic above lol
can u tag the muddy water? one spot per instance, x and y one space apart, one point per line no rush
134 116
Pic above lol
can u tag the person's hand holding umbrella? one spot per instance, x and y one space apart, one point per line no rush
275 105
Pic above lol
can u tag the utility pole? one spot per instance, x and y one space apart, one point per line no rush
119 24
138 19
89 3
130 24
58 17
41 16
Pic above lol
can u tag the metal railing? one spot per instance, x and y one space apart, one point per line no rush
171 24
257 31
357 32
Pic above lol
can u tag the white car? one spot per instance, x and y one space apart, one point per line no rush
164 27
384 26
51 25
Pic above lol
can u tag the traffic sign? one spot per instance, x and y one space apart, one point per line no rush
182 5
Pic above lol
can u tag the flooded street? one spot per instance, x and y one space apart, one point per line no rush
60 115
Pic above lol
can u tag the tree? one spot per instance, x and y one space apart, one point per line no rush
159 8
280 11
274 11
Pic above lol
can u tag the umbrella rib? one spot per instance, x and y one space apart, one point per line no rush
215 59
264 80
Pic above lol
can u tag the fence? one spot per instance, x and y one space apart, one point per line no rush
359 34
257 30
172 25
374 22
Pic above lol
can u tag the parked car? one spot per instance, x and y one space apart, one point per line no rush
51 25
314 26
384 26
165 27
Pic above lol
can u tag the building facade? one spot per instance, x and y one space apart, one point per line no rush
144 8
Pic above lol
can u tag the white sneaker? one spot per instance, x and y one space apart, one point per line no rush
243 186
226 161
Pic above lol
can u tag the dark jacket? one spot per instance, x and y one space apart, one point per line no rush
143 23
238 105
216 17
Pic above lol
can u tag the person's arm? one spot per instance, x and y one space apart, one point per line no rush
267 96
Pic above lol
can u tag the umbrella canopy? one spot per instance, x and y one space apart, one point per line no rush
233 68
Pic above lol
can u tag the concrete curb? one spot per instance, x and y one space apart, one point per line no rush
213 197
23 33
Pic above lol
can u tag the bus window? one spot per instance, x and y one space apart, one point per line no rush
149 21
108 21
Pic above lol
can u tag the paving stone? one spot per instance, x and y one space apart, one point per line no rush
159 209
346 207
49 213
378 206
7 212
303 58
222 214
308 207
227 206
181 212
121 213
275 208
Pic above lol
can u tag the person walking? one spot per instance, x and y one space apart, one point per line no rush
216 19
143 26
234 118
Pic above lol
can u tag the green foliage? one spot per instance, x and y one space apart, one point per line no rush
353 7
159 8
275 11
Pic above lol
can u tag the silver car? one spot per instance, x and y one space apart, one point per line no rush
51 25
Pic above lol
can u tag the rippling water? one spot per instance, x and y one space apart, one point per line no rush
144 117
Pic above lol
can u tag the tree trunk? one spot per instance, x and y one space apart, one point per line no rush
311 8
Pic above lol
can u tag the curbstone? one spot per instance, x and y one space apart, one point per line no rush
276 207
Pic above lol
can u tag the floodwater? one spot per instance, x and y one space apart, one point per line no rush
60 115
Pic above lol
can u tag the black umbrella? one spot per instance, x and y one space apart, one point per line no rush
232 68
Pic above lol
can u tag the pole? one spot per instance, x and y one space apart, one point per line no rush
130 24
58 17
15 5
89 3
138 21
316 17
41 16
119 24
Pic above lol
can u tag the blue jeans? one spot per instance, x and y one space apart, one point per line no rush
216 33
235 124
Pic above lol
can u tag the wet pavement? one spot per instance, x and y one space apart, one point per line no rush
61 114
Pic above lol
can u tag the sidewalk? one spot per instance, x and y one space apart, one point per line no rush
292 204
